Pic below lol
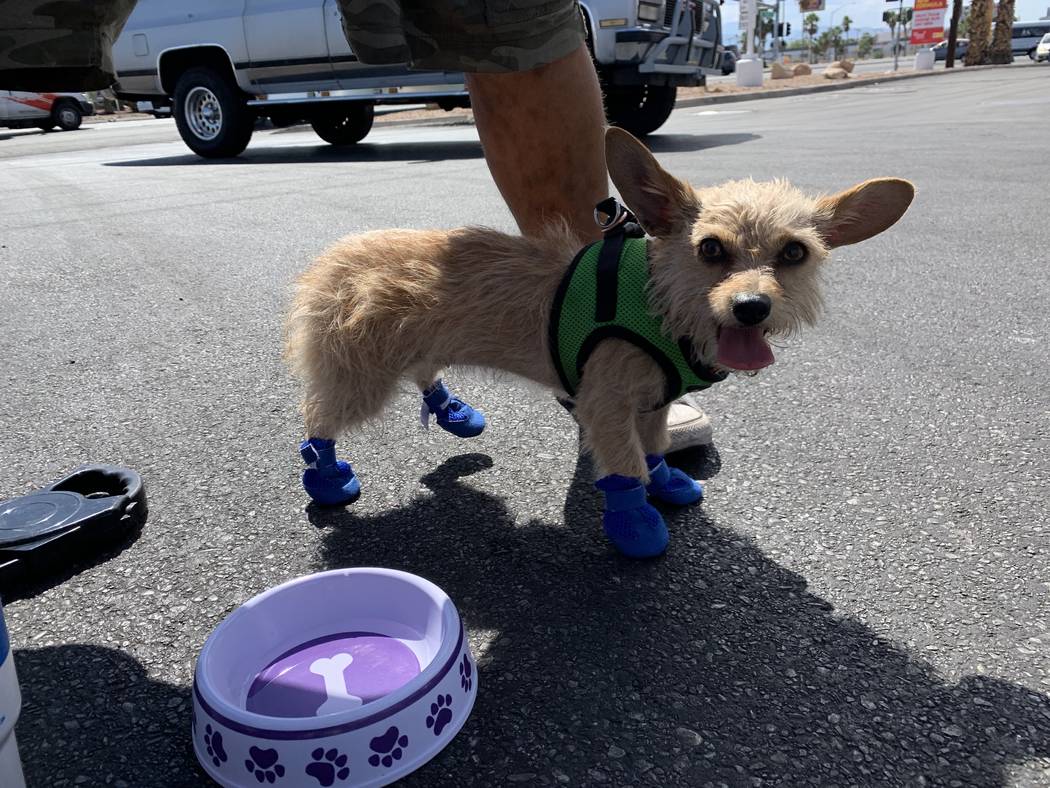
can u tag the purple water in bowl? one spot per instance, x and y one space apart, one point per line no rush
332 674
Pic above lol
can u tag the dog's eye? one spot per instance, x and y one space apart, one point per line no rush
712 251
794 252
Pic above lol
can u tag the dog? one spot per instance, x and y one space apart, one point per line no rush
726 268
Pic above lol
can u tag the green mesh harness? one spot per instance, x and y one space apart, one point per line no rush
604 295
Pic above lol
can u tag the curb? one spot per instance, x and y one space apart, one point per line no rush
847 85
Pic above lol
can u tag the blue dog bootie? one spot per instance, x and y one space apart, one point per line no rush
671 485
328 481
630 521
451 413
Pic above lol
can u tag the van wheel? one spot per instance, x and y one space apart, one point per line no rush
640 109
66 115
346 124
211 114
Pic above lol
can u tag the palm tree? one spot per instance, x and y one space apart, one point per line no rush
890 18
907 14
1001 51
834 41
809 27
846 22
764 28
980 32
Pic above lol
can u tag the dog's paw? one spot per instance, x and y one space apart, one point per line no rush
637 533
673 486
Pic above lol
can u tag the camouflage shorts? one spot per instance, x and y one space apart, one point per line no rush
463 35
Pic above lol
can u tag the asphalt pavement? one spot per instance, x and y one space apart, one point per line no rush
861 599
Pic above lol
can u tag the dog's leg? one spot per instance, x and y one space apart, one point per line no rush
607 409
610 432
667 484
652 430
451 413
335 401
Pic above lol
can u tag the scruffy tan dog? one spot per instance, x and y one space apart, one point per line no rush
625 329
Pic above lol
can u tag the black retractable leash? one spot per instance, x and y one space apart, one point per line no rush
71 520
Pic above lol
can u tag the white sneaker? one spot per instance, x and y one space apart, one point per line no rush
688 425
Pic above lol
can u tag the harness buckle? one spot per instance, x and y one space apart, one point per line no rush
610 214
615 218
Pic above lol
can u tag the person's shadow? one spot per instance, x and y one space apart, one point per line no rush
710 665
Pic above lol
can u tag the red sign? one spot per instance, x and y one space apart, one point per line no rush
927 25
927 36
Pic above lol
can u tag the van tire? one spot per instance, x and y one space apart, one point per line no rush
212 114
345 124
66 115
640 109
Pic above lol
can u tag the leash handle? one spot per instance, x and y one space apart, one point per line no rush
614 218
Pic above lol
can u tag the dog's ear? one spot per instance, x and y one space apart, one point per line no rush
662 203
863 211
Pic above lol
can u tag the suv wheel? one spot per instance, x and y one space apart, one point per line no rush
640 109
66 115
345 124
211 114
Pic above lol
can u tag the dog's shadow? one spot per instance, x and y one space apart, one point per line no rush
710 664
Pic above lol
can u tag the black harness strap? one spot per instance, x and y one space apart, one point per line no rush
617 223
608 273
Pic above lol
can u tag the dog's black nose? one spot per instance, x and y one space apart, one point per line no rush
751 308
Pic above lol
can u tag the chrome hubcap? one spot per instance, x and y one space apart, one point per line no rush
203 113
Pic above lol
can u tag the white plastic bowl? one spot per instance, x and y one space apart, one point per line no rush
353 677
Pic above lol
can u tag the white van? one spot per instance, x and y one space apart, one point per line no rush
1026 36
22 109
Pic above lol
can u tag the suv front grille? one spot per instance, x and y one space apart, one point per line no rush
669 13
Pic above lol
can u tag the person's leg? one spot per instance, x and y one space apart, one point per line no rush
537 105
543 133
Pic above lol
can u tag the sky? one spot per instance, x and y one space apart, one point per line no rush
868 13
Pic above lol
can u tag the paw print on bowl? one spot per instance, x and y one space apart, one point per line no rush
327 767
387 748
466 673
264 764
213 744
440 714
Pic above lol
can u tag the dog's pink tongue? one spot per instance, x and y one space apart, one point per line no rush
743 348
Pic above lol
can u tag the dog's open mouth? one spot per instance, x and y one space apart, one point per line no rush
743 348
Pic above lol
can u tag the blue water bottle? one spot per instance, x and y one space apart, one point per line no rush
10 706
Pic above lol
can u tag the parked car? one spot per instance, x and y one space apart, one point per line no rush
940 50
24 109
219 65
1042 50
1025 36
728 61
